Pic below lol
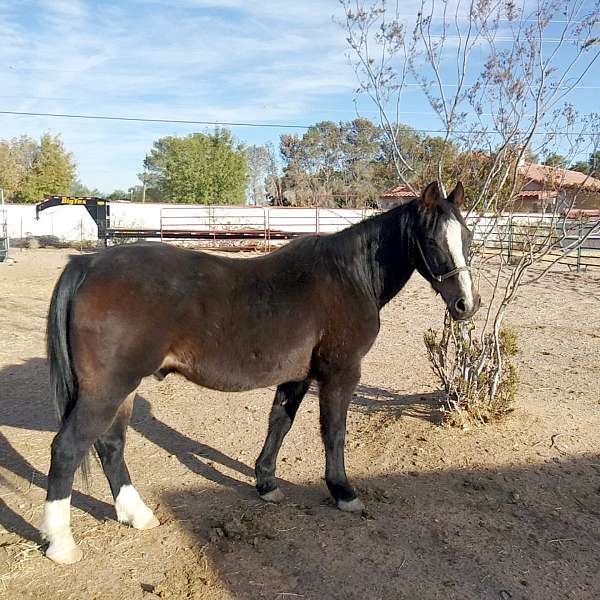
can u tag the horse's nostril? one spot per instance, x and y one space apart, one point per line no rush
460 305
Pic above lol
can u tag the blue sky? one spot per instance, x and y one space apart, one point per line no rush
231 60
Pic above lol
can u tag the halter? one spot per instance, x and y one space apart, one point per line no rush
439 278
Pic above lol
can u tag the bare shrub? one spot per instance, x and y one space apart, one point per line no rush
32 243
467 370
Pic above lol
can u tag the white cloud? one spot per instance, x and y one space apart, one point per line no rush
189 59
228 60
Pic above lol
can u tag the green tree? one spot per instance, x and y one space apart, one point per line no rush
555 160
79 189
52 171
352 163
16 161
9 170
583 166
199 168
118 195
335 163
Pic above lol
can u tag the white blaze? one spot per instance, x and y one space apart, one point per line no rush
455 246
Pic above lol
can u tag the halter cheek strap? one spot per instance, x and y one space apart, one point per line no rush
439 278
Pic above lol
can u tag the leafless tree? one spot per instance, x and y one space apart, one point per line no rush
498 76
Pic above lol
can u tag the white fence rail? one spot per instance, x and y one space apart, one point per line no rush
505 234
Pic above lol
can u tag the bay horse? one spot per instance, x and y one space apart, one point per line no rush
308 312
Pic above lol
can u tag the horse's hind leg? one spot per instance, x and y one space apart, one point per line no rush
90 418
287 400
110 447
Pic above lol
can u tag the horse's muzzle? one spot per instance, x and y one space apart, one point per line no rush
460 309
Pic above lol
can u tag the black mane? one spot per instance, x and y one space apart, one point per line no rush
377 253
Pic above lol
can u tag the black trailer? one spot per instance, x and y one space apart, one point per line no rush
98 209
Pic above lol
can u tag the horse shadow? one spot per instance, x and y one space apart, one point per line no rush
369 400
24 405
196 456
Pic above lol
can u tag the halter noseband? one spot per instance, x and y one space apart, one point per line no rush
439 278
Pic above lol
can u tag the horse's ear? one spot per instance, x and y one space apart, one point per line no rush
457 195
432 194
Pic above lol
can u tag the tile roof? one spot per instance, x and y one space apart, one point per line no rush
400 191
553 177
556 176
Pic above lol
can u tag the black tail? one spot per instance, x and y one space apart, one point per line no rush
63 381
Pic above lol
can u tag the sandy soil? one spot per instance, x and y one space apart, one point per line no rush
509 511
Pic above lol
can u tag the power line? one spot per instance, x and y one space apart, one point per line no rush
148 120
404 84
246 124
369 111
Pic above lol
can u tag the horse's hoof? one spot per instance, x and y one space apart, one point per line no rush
131 510
64 556
275 496
351 506
146 524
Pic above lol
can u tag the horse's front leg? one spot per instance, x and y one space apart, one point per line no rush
334 397
287 400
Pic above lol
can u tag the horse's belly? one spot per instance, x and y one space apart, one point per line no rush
247 369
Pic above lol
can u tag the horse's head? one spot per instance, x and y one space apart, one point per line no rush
441 250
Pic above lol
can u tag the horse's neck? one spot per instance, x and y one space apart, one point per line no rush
383 245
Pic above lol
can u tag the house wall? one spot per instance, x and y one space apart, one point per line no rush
584 200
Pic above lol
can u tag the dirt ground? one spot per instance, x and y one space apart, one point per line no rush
509 511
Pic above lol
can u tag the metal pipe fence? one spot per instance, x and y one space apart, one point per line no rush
572 242
550 238
262 224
